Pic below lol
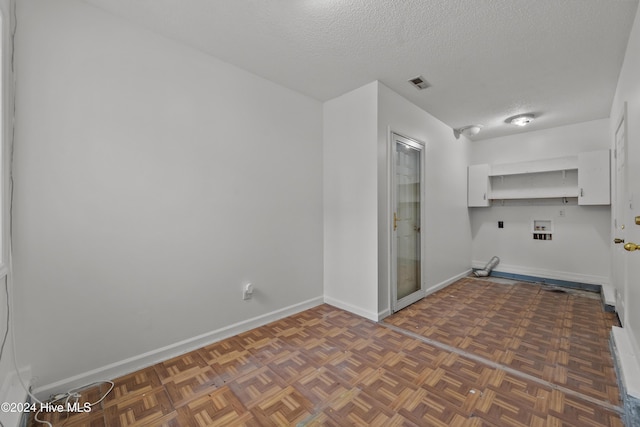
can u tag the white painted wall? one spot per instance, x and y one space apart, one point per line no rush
356 197
578 251
6 128
584 227
152 181
10 388
543 144
446 224
350 201
628 90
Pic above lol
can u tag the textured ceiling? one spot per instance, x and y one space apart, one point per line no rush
485 59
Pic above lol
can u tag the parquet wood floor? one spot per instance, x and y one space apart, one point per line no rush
474 354
559 337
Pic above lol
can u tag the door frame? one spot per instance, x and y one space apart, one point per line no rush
396 305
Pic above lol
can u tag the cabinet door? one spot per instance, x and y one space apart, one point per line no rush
478 186
594 178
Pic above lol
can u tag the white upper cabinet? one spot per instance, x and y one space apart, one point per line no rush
478 185
585 177
594 178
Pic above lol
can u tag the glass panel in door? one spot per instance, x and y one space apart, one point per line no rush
407 222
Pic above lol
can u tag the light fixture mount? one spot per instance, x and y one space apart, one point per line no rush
521 119
467 131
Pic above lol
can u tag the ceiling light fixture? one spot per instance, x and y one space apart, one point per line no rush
467 131
521 119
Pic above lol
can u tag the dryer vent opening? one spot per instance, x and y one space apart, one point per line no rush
493 262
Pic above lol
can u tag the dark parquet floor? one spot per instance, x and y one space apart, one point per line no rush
477 353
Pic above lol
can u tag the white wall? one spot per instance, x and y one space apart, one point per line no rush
356 197
350 201
446 231
584 227
628 90
10 388
543 144
152 181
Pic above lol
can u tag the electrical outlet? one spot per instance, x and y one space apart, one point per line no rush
561 212
247 292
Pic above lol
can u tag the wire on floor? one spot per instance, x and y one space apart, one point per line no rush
67 398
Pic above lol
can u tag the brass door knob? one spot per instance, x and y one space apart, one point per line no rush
631 247
616 240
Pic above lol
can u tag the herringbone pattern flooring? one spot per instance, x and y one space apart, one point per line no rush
476 353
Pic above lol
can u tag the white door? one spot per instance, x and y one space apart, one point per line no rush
620 212
406 228
632 229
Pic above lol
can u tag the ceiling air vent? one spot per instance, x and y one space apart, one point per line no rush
419 82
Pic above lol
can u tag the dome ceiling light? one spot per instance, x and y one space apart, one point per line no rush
521 119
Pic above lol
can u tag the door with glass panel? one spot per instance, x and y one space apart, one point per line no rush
406 228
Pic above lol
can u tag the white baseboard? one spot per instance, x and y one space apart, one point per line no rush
443 284
627 355
351 308
549 274
447 282
609 295
123 367
12 391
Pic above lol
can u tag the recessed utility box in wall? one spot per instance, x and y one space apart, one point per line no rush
542 229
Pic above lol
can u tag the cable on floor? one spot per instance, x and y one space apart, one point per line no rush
73 394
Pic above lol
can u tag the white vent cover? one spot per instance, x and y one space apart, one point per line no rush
419 82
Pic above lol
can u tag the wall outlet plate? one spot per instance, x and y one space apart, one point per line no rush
247 292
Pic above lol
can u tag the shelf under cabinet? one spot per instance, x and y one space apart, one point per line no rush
544 193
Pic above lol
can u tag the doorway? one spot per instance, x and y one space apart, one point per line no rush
407 209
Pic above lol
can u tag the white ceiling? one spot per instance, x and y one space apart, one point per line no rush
485 59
